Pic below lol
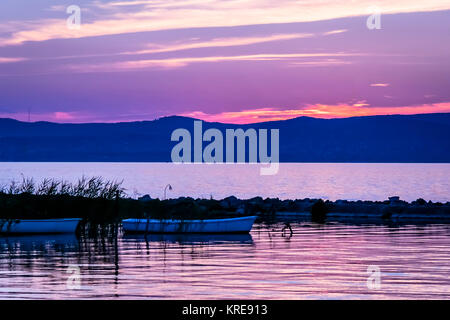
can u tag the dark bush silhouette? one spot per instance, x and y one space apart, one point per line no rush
319 211
421 202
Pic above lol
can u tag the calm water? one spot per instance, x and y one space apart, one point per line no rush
294 180
316 262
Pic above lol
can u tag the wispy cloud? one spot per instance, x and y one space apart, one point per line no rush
127 3
11 60
334 32
195 43
143 16
182 62
379 84
319 63
57 8
219 42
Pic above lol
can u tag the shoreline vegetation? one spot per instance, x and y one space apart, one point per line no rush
99 201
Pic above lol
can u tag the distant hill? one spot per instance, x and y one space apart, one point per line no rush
397 138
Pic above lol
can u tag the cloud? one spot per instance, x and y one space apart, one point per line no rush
195 43
155 3
11 60
379 84
219 42
127 3
334 32
63 116
320 63
182 62
183 14
57 8
315 110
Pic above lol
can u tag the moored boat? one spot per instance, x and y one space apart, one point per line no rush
39 226
228 225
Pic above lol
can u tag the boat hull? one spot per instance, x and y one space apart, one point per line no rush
230 225
40 226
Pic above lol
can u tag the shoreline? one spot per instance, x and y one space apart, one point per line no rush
114 209
392 209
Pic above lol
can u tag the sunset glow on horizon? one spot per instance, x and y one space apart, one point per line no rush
227 61
316 111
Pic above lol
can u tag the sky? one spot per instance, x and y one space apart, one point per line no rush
233 61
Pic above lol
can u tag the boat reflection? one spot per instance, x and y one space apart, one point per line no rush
191 238
62 243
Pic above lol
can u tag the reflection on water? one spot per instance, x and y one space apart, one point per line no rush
197 239
351 181
317 261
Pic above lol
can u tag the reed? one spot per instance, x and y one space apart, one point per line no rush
95 200
94 187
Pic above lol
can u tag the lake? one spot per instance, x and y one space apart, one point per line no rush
328 261
319 261
350 181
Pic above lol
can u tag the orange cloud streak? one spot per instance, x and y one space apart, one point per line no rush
317 111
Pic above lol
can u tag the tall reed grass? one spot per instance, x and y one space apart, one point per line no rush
94 187
95 200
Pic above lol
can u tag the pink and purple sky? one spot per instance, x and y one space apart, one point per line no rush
236 61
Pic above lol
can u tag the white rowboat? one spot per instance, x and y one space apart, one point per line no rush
229 225
39 226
